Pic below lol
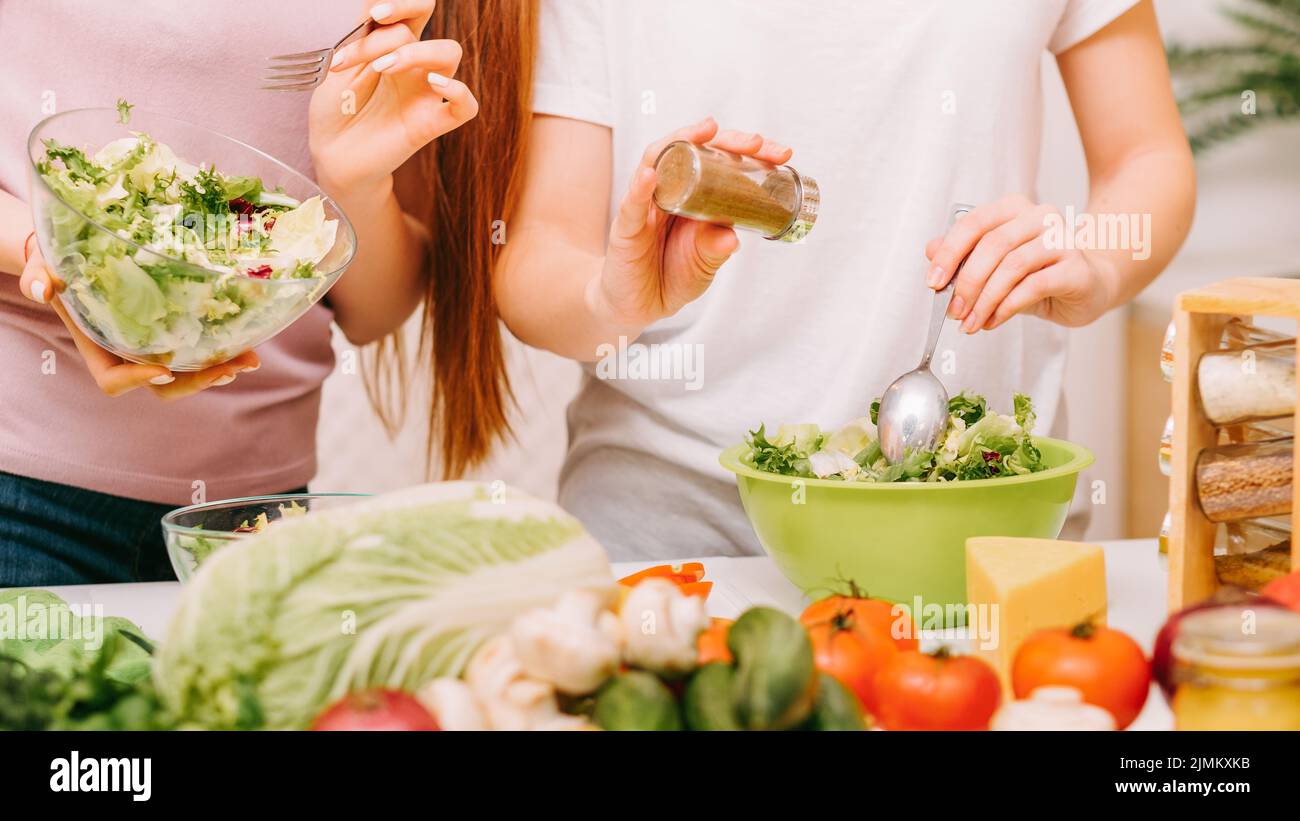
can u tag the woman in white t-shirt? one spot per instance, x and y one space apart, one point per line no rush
898 109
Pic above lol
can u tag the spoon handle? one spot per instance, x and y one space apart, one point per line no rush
943 296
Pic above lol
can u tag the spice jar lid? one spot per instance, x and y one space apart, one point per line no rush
1241 638
810 201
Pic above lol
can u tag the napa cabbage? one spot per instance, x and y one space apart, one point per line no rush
390 592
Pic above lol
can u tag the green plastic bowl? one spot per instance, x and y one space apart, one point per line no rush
900 540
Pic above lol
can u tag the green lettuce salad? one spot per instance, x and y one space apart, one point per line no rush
979 444
128 282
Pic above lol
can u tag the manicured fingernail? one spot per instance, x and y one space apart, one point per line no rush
249 369
968 324
957 308
224 380
162 379
934 277
338 58
437 80
379 12
385 62
38 290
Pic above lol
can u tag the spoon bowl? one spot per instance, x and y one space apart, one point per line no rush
913 415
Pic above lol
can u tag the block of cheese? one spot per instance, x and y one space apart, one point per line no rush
1017 587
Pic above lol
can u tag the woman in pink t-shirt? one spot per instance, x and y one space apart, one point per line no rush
90 454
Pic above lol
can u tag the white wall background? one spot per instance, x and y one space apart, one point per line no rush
1246 223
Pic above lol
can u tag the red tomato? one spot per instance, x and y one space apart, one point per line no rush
1107 666
868 614
852 654
376 710
712 643
923 691
1285 591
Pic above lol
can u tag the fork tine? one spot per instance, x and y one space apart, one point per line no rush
292 66
302 75
318 54
308 86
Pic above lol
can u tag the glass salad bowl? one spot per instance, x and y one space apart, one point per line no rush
166 259
900 540
194 533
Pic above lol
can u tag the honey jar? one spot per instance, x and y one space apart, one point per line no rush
1237 668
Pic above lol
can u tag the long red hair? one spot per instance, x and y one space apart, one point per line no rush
463 187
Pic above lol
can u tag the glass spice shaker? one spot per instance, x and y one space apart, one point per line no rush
1167 353
1236 334
1253 535
1245 481
1165 457
716 186
1250 383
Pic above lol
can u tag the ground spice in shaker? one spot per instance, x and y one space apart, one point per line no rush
1245 481
716 186
1255 382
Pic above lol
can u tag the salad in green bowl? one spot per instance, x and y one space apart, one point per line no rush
979 444
167 261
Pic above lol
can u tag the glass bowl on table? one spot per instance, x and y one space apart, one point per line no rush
194 533
156 265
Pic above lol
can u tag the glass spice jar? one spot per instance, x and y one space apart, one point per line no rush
1250 383
1166 525
1165 458
1237 668
1253 535
716 186
1238 333
1241 333
1245 481
1167 353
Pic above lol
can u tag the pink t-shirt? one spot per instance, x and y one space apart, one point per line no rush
199 62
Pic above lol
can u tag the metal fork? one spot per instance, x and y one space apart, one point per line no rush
306 69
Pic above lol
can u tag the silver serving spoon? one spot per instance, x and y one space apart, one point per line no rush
913 414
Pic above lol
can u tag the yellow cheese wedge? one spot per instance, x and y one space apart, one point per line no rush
1018 586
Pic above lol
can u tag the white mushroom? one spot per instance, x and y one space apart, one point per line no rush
565 723
452 704
573 644
1052 708
660 626
509 698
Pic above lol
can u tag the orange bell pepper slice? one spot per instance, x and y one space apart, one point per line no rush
677 574
688 577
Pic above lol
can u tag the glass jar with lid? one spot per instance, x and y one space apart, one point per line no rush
1237 668
1250 383
1245 481
716 186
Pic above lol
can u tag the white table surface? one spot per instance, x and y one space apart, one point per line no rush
1135 592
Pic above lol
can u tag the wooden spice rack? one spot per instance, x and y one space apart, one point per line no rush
1200 317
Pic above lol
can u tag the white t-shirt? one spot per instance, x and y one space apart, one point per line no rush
898 109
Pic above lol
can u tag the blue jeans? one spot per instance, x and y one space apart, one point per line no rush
52 534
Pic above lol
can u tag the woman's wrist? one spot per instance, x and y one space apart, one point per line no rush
359 190
611 324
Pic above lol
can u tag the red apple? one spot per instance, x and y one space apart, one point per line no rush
376 710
